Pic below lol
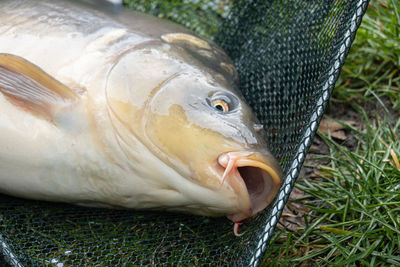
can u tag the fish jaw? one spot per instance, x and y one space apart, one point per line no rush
254 177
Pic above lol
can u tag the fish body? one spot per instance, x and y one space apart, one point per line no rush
125 111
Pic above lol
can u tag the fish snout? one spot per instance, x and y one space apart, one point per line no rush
255 177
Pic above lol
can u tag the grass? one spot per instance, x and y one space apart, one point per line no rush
354 205
351 214
373 64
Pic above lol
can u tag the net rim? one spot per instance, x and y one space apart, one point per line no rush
335 63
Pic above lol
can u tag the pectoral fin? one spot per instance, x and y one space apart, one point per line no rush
30 88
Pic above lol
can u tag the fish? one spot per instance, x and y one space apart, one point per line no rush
124 110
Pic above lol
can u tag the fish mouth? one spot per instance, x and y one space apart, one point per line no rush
255 178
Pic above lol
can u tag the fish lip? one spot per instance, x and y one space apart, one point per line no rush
255 177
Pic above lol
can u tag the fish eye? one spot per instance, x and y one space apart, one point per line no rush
223 102
221 105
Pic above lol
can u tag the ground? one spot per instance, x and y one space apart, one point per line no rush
345 208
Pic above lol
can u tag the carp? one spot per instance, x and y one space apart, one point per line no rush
125 111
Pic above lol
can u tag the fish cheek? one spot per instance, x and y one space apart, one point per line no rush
184 142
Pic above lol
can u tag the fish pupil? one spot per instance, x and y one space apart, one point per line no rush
219 107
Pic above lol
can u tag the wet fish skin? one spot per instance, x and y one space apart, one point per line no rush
140 130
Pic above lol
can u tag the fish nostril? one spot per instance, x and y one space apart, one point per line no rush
258 126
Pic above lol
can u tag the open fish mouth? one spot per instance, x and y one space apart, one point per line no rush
256 180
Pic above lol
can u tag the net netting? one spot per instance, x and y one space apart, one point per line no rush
288 54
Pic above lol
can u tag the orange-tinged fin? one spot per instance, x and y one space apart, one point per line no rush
30 88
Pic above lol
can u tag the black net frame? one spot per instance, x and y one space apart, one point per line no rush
288 54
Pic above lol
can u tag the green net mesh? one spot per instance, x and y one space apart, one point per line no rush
288 54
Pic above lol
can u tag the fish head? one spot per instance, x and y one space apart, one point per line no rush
196 121
209 129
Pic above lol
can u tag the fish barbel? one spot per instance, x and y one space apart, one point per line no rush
125 111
